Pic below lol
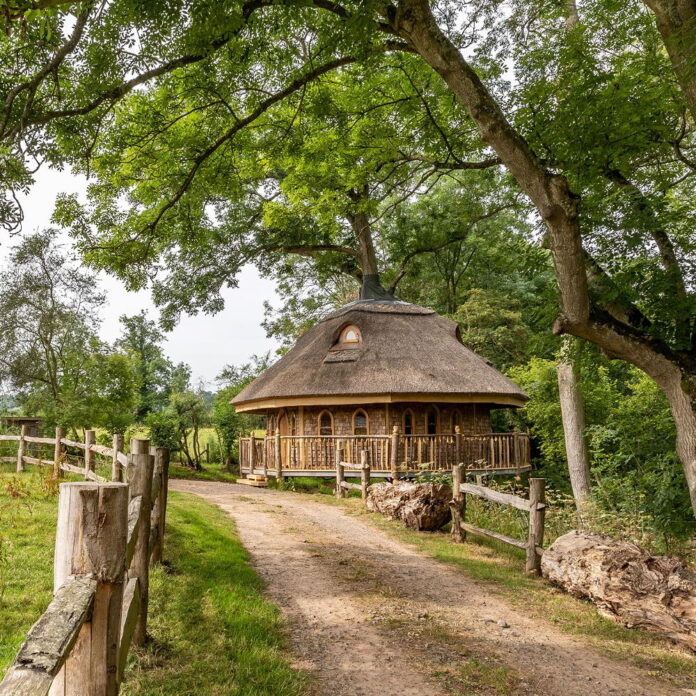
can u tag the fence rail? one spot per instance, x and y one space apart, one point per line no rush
389 455
108 535
535 506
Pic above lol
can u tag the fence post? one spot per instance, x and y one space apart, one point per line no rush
159 510
458 444
278 457
141 485
91 539
537 498
394 463
22 448
364 474
456 506
116 473
58 452
89 455
340 473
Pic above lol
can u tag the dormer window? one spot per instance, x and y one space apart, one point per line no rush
350 336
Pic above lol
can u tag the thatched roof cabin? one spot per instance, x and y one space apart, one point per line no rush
403 353
370 371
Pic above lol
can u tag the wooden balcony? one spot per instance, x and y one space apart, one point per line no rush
311 455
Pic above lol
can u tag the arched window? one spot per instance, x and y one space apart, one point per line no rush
360 422
293 424
456 420
409 422
271 425
432 418
350 335
325 423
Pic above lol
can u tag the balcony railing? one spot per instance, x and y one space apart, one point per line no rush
294 454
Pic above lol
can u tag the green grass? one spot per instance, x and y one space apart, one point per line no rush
27 533
212 632
211 472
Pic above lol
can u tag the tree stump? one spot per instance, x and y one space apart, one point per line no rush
420 506
628 584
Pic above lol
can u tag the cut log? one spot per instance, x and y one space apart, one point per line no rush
421 506
628 584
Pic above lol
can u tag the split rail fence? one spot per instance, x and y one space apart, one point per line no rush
108 535
535 505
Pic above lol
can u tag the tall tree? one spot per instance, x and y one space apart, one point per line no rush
142 339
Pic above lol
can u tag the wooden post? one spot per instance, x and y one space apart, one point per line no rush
141 485
252 454
537 509
159 510
22 448
340 472
116 473
364 474
58 452
456 506
264 457
91 540
89 455
278 457
394 463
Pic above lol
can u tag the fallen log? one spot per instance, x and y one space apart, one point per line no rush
628 584
420 506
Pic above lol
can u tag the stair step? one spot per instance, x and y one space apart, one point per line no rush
251 482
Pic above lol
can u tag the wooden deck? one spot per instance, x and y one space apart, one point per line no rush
310 455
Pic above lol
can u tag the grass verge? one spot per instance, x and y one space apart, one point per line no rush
212 632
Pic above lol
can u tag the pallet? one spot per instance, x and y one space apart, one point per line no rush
251 482
257 477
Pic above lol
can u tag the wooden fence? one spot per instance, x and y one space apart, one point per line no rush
535 506
364 468
108 534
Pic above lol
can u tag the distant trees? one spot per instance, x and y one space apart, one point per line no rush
50 354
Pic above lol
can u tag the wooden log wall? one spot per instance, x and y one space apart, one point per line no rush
79 645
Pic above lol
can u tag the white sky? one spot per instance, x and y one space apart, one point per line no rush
207 343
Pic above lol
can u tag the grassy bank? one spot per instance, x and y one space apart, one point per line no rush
212 632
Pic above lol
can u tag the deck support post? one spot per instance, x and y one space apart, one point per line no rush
537 509
340 473
364 474
252 453
278 457
457 505
264 456
394 463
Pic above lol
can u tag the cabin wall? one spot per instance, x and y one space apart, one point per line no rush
474 419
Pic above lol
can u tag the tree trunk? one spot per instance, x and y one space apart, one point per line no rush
676 22
628 585
573 416
360 222
558 207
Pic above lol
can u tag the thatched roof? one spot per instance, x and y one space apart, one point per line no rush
408 353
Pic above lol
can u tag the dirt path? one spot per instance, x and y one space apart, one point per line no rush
370 616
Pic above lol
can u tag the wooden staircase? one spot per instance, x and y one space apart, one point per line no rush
256 480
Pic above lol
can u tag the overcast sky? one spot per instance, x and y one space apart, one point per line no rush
207 343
